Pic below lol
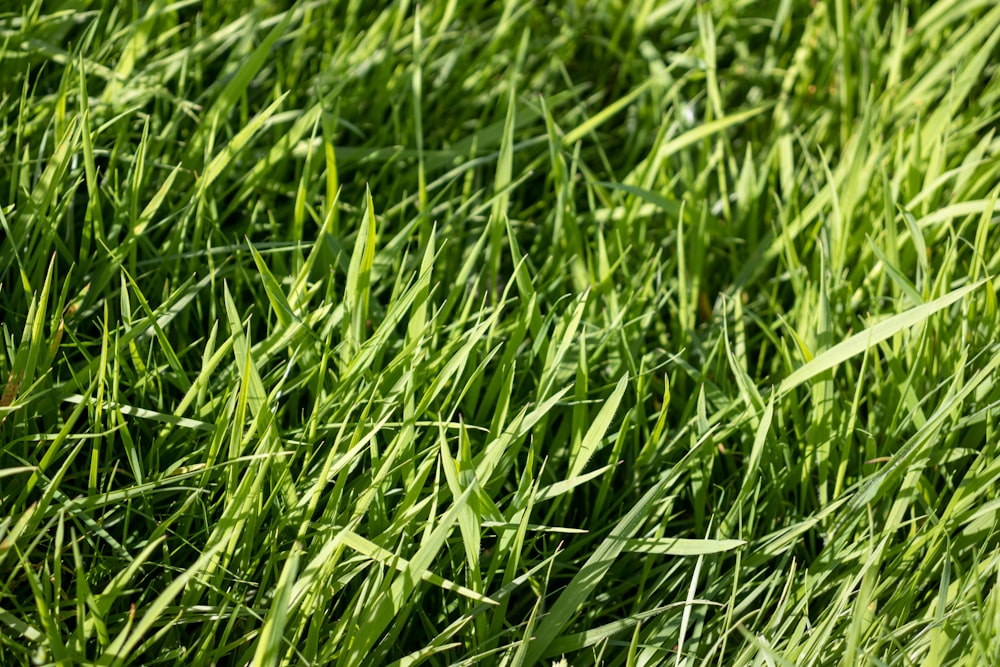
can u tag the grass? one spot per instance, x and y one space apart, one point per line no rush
618 333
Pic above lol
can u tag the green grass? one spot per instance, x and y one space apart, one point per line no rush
474 333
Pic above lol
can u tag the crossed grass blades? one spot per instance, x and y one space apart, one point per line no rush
618 333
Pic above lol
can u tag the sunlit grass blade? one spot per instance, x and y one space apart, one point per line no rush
874 334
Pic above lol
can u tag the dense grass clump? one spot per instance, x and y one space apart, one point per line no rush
589 333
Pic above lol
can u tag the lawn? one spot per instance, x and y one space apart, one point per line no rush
499 333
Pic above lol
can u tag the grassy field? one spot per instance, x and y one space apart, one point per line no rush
499 333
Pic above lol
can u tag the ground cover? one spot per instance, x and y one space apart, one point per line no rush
619 333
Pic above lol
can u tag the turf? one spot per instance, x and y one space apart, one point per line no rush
499 333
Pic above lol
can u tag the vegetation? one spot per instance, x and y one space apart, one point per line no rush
520 333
